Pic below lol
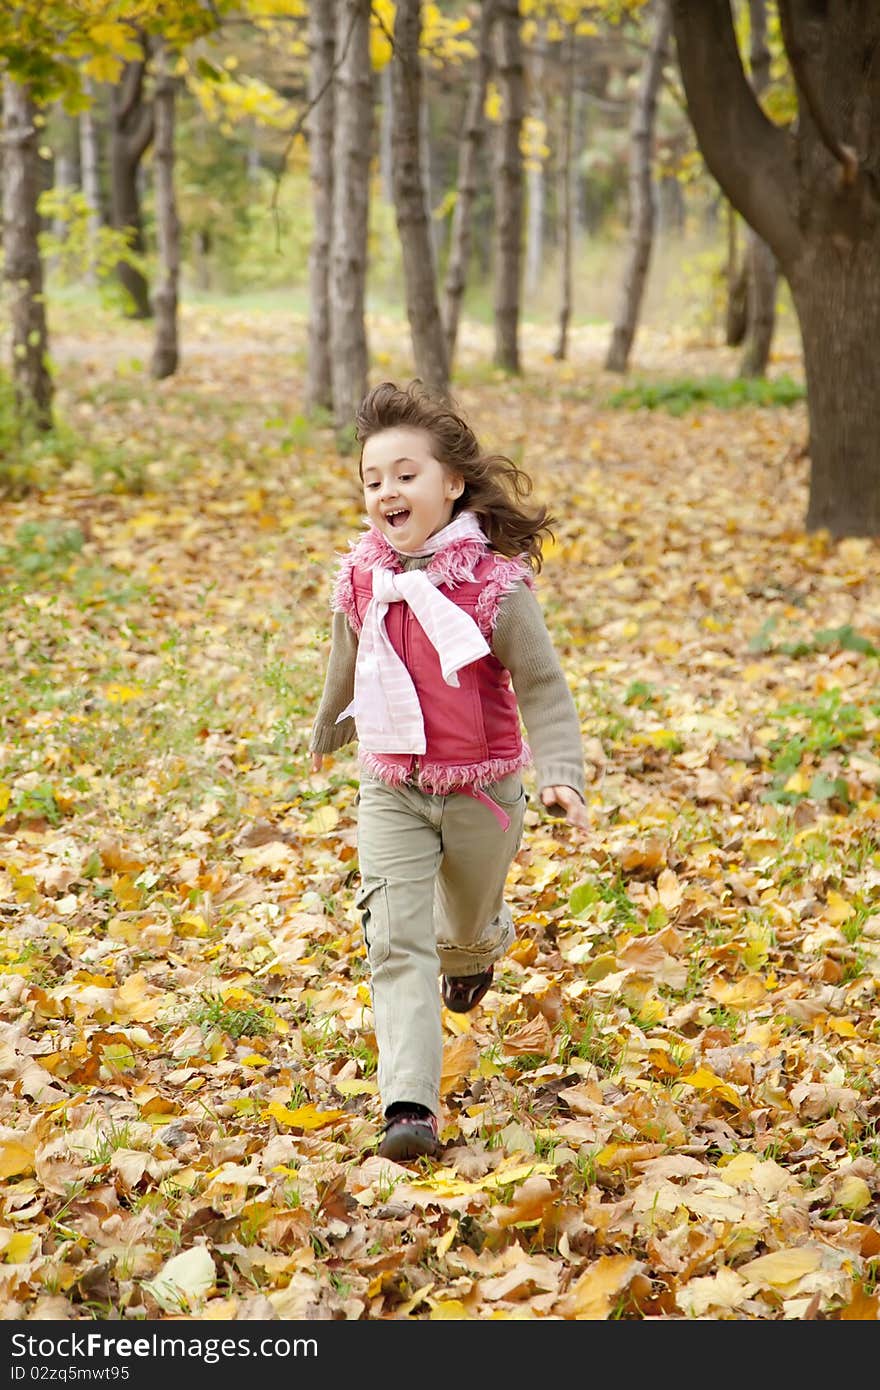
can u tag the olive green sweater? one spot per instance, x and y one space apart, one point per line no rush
522 644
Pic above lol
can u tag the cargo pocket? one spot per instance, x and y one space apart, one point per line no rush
371 900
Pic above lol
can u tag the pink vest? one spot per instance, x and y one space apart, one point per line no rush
472 732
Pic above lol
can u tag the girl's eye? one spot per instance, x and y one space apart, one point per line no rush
372 485
406 477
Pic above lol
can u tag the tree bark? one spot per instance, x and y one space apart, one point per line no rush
566 200
470 147
425 324
761 271
131 132
641 196
508 188
166 351
322 52
23 269
737 285
535 181
353 129
819 211
89 160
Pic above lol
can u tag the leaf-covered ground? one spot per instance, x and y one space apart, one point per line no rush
668 1105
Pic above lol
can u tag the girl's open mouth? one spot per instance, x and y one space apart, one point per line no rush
397 518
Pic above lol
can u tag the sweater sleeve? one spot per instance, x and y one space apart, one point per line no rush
327 736
522 643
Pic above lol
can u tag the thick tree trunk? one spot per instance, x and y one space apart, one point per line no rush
353 135
470 147
425 325
131 133
22 269
90 163
166 352
566 202
837 297
641 196
508 188
812 194
322 50
761 270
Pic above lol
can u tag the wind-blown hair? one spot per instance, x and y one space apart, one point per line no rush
494 487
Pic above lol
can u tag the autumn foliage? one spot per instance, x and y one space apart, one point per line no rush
667 1105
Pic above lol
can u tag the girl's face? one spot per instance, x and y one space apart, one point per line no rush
408 493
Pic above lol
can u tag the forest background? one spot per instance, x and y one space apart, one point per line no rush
666 1107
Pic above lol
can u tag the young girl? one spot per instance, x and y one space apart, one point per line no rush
438 645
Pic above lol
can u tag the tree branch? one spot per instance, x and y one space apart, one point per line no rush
749 156
845 155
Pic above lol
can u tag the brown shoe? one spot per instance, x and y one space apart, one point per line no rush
461 993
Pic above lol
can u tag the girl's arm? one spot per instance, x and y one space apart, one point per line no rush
327 736
522 643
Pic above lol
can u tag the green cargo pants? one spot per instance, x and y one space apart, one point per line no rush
433 870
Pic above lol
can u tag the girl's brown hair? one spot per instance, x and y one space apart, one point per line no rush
494 487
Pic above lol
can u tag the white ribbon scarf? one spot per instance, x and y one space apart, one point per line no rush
386 708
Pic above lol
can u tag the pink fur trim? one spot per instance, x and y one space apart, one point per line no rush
440 779
455 563
384 769
501 579
342 598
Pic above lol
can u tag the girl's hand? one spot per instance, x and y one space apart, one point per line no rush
568 799
317 760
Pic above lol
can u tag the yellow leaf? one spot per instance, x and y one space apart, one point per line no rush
304 1117
594 1294
5 794
15 1158
838 909
459 1056
354 1086
22 1247
853 1194
325 818
741 994
705 1080
117 694
103 67
449 1309
842 1027
781 1268
254 1059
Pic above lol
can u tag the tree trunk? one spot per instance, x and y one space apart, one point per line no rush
760 261
811 192
131 131
322 50
535 172
425 325
386 124
89 160
166 349
566 201
762 280
837 298
641 196
23 270
353 132
508 188
737 279
470 146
